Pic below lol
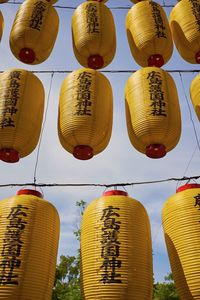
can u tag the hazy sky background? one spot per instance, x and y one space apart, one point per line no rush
119 162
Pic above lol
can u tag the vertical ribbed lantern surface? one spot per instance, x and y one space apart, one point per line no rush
181 223
93 34
28 247
34 31
22 105
116 251
85 113
149 34
195 94
185 26
152 112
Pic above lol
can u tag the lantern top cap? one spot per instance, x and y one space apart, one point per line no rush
188 186
29 192
115 193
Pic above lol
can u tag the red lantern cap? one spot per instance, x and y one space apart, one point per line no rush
27 55
9 155
155 151
95 61
197 57
188 186
29 192
156 60
83 152
115 193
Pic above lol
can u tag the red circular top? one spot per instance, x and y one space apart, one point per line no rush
29 192
115 193
188 186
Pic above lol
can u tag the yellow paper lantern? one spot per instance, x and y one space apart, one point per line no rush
85 113
152 112
149 34
93 34
22 105
195 94
181 221
34 31
185 27
116 250
28 247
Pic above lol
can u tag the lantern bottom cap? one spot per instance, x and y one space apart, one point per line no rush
27 55
83 152
155 60
197 57
9 155
95 61
155 151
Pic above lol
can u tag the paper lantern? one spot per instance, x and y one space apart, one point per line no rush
149 34
152 112
185 26
22 105
181 221
116 251
85 113
34 31
28 247
93 34
195 94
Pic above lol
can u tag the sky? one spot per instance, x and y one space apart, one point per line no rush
119 162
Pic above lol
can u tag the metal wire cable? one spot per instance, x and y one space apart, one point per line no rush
42 130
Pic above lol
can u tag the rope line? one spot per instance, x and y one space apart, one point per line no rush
99 184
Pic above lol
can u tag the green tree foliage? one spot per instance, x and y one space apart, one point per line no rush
67 278
165 290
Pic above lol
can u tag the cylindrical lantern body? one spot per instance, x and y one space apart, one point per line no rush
116 251
93 34
185 27
22 105
149 34
152 111
85 113
195 94
34 31
181 221
28 247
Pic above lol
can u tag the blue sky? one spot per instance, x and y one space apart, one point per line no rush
119 162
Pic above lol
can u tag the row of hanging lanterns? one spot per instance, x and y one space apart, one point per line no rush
85 112
116 250
36 25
